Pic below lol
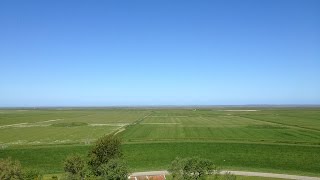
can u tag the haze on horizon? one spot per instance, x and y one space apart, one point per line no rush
122 53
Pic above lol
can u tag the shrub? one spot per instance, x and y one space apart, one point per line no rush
74 166
192 168
10 169
32 174
54 177
105 149
228 176
115 169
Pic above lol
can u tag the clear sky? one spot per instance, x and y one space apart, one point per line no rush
159 52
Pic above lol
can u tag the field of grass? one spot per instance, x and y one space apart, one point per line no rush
240 126
283 140
50 126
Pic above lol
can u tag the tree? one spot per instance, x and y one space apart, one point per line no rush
192 168
105 149
74 167
176 168
10 170
115 169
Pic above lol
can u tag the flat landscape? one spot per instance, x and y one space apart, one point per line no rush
283 140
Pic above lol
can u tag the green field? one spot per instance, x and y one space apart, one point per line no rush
285 140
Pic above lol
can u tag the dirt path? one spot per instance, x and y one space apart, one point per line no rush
240 173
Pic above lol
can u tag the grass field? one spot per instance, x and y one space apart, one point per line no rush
23 127
257 139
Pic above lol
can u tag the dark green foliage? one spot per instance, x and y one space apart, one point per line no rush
72 124
115 169
197 168
105 149
228 176
69 176
10 169
176 168
54 177
104 162
74 166
192 168
32 174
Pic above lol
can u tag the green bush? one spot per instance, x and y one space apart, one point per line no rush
228 176
105 149
192 168
10 170
115 169
32 174
74 166
54 177
104 162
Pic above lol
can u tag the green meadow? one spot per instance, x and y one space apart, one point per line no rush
282 140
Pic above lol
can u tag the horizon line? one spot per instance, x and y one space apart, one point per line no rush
163 106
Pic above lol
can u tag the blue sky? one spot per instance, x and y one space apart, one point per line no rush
159 52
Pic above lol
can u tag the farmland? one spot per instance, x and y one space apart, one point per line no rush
258 139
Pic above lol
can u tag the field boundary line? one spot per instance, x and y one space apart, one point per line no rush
123 128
